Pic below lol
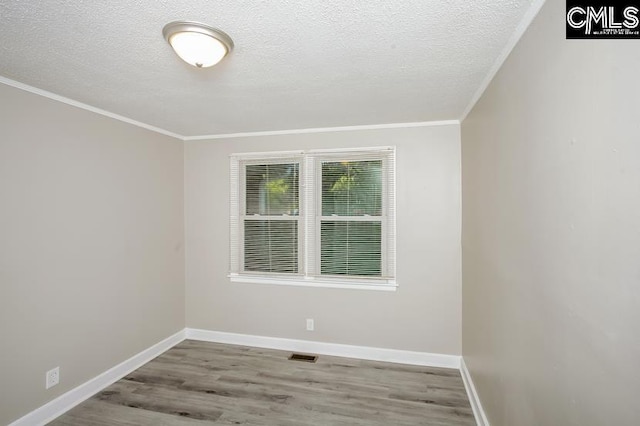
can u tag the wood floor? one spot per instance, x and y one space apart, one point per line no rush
198 383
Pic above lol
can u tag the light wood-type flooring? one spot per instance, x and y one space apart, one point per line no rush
199 383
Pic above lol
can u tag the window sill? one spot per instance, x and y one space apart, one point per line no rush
387 285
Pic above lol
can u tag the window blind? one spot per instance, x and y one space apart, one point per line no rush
322 215
352 217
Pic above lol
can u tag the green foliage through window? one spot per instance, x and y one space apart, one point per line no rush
352 188
272 189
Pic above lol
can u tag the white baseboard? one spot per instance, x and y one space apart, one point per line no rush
476 406
67 401
75 396
333 349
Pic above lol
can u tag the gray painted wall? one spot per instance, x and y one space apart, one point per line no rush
551 232
423 315
91 246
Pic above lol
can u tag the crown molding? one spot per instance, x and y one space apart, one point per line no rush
77 104
74 103
325 130
527 19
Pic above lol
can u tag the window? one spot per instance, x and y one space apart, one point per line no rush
319 218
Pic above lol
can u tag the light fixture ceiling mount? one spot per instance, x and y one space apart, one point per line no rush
197 44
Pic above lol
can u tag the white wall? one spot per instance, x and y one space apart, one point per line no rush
424 313
551 232
91 245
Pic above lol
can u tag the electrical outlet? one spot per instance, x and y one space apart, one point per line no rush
53 377
310 325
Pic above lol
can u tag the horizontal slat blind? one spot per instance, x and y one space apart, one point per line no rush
352 214
323 215
351 188
351 248
272 189
271 246
265 198
271 199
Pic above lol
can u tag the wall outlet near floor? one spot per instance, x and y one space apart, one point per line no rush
53 377
310 325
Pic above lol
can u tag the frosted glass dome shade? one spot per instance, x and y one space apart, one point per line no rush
197 44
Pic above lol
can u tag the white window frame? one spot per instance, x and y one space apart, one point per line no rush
243 216
309 218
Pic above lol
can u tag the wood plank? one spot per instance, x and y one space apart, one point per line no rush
93 412
201 383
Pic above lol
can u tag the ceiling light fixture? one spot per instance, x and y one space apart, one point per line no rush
197 44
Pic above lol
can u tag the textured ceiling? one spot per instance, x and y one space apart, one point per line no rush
296 64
